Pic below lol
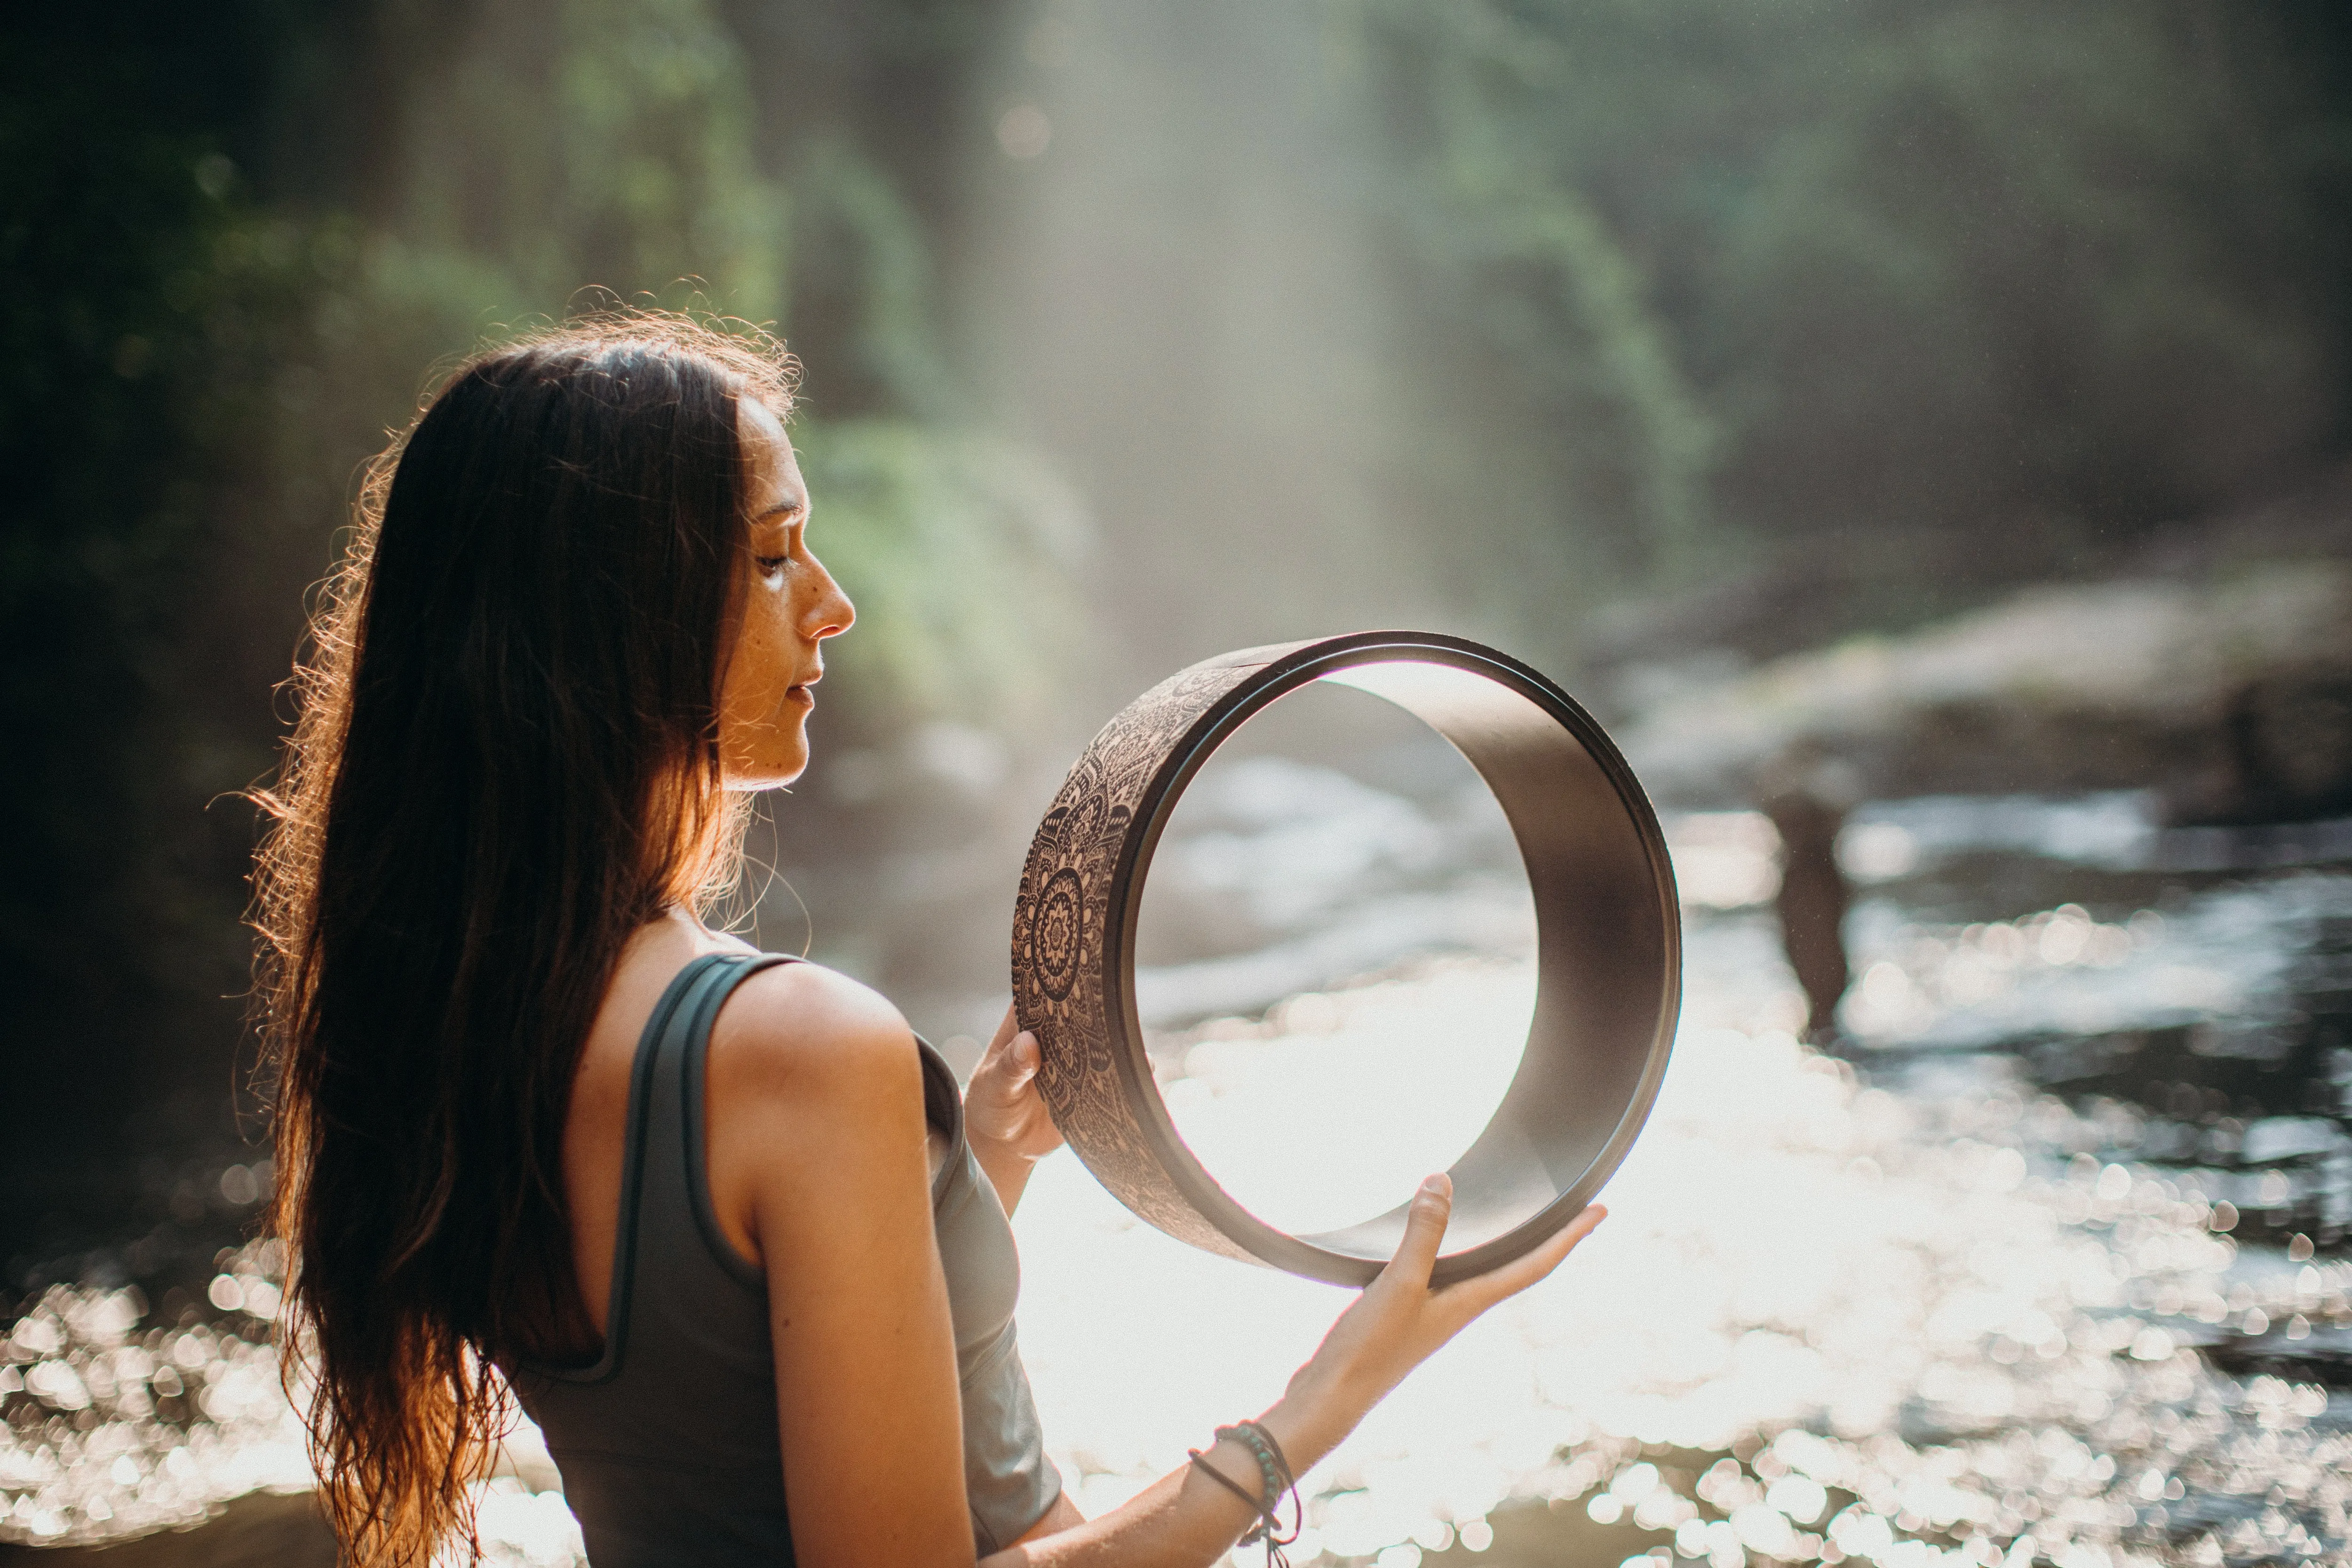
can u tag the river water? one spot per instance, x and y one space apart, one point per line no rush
2046 1263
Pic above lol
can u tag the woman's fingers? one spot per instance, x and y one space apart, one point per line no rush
1484 1291
1002 1105
1399 1321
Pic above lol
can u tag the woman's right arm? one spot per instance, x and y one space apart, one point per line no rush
1185 1519
819 1160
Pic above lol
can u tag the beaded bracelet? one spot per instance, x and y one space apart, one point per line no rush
1274 1470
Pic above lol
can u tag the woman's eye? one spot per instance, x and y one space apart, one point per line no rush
772 565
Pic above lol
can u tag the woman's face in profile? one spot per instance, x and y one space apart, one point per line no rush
791 604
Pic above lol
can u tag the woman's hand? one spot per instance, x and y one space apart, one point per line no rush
1394 1327
1399 1322
1004 1117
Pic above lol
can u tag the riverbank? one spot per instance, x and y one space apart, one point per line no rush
2212 665
260 1529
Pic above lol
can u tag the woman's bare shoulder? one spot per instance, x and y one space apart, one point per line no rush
800 1030
813 1081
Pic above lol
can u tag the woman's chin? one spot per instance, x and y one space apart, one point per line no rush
769 757
753 781
765 773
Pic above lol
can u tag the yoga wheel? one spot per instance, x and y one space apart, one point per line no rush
1608 953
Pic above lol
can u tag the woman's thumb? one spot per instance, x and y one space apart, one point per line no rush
1013 1063
1424 1225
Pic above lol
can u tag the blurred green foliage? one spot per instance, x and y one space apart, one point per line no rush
1712 280
561 141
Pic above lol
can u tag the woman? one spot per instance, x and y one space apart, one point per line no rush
716 1219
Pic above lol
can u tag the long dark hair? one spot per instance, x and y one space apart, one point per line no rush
505 763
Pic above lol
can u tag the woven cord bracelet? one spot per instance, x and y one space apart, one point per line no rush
1201 1463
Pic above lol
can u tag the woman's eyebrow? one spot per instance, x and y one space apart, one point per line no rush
789 504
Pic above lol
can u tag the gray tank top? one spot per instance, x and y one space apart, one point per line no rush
669 1443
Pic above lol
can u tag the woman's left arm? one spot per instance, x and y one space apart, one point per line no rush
1004 1117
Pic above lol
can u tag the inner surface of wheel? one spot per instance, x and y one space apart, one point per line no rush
1608 947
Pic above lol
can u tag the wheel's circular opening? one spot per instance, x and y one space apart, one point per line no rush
1335 959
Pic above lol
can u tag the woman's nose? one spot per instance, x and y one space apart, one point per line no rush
831 614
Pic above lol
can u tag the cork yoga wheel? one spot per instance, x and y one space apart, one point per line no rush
1608 952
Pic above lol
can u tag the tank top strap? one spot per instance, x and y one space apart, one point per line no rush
677 1172
671 1260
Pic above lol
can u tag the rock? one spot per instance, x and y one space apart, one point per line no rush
2276 1138
2232 698
2288 752
257 1530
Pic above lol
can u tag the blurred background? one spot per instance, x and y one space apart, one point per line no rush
1923 432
